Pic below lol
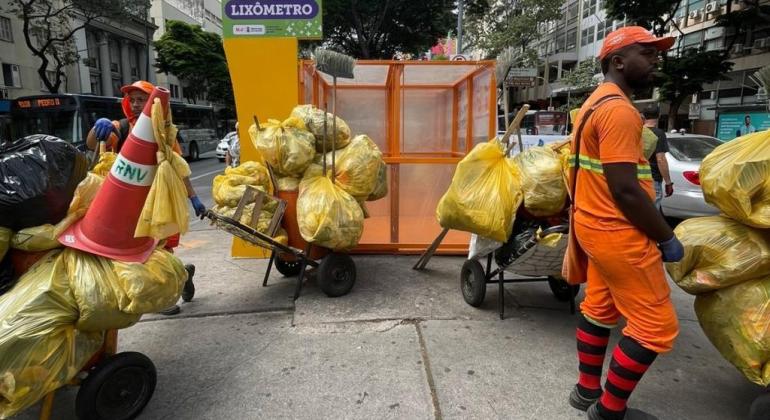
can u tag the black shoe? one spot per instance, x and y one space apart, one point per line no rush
189 287
171 310
580 402
630 414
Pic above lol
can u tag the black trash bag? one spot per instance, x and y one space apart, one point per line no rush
7 278
523 237
38 177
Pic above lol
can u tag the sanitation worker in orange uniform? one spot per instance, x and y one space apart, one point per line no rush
624 237
115 133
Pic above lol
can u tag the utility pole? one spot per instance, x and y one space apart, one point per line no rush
459 26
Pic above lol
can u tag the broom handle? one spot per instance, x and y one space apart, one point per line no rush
506 105
334 126
326 130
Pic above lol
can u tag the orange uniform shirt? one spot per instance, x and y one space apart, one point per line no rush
613 134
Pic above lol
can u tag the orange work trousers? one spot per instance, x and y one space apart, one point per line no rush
626 279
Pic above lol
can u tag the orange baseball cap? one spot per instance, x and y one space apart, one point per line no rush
630 35
141 85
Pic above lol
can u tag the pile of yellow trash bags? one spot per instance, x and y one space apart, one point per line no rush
727 257
488 187
54 317
330 204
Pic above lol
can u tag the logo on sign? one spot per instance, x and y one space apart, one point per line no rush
249 29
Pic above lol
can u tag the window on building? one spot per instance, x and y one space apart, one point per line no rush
553 72
92 47
715 44
11 75
692 40
174 90
587 36
96 84
114 47
572 12
133 61
589 8
695 4
571 39
117 83
6 32
600 31
559 47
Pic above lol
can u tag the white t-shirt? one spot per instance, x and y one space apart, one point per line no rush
234 148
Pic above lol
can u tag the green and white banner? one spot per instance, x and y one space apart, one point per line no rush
272 18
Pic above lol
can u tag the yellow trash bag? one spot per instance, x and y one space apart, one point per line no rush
542 181
40 349
737 322
719 252
103 167
5 241
649 142
228 190
381 186
44 237
328 216
314 122
165 209
735 178
288 183
152 286
357 167
484 194
254 170
286 146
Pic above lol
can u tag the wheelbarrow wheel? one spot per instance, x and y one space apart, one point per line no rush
473 283
336 274
287 268
760 408
562 291
117 389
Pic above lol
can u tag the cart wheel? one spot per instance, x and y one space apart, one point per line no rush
473 283
287 268
337 274
117 389
760 408
562 291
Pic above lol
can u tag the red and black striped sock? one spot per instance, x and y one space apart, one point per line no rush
591 346
629 363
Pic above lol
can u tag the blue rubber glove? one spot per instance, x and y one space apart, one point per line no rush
672 250
103 128
200 209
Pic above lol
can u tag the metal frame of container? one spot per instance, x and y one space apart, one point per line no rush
418 113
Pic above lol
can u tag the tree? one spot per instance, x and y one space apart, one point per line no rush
579 82
380 28
49 27
495 25
684 73
198 58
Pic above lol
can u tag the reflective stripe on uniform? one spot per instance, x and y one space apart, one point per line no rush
595 166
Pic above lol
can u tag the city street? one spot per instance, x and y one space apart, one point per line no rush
402 345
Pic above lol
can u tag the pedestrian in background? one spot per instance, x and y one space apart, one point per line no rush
625 239
661 176
233 153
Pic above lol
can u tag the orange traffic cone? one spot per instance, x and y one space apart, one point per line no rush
108 227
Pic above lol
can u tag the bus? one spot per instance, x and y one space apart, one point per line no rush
550 123
71 116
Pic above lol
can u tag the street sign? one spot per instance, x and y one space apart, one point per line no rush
694 113
522 72
299 19
521 77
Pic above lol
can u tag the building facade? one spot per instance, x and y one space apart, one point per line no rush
206 13
580 33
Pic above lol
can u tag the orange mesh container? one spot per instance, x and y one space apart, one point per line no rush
424 116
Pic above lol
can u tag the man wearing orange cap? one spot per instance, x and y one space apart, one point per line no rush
624 237
115 133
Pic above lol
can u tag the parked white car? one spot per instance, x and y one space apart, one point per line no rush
686 151
224 145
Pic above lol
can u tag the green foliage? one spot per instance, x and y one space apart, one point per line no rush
198 58
580 82
492 26
379 28
49 27
646 13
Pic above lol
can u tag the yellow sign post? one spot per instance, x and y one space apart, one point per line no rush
261 49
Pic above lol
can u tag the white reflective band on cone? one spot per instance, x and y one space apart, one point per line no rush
133 173
143 129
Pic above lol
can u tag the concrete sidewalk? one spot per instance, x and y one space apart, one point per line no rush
402 345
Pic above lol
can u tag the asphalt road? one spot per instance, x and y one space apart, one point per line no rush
203 172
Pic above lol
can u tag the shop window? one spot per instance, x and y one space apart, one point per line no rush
6 31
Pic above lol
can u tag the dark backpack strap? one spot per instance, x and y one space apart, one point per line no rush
123 131
579 134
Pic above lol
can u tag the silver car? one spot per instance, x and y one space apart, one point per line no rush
686 151
224 145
